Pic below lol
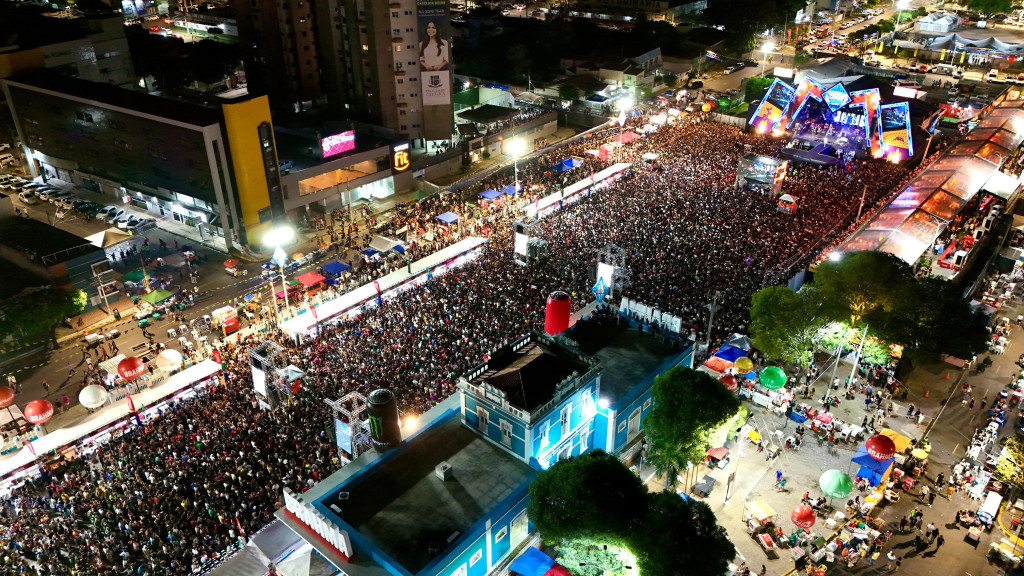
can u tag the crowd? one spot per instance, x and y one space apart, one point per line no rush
169 496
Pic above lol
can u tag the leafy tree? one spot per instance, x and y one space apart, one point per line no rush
670 80
801 57
756 86
692 412
862 286
592 494
784 324
33 315
518 56
989 6
569 92
591 558
1010 466
677 532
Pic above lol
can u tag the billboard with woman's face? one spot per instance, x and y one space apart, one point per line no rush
434 51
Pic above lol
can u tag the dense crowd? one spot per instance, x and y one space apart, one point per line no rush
170 495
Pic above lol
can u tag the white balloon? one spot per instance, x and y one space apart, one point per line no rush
93 396
169 360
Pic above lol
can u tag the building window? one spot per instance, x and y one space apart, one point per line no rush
501 533
476 557
481 413
396 31
564 419
398 48
366 47
647 404
506 433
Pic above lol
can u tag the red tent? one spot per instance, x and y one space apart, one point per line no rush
310 279
626 137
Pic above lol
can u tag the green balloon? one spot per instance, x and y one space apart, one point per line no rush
773 378
835 484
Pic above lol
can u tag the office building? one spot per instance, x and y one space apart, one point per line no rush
279 51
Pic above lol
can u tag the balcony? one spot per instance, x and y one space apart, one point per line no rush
396 40
399 73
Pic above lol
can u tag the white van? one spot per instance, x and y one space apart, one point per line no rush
992 76
990 508
945 69
6 159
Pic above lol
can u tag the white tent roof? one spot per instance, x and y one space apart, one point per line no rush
108 237
1002 184
382 244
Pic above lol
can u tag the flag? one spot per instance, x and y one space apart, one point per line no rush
622 117
31 448
313 310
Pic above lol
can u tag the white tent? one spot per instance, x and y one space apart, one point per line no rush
108 237
382 244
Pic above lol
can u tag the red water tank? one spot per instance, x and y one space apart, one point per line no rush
556 318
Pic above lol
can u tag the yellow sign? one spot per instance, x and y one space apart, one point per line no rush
401 161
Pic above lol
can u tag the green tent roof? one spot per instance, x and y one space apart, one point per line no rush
469 97
156 296
133 276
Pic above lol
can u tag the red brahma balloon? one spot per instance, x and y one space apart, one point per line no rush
729 381
6 396
38 411
130 368
880 447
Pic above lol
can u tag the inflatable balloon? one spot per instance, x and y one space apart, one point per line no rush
773 378
169 360
93 396
729 381
6 396
556 318
744 365
130 368
835 484
802 516
880 447
38 411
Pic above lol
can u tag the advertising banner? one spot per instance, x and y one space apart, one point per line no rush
434 49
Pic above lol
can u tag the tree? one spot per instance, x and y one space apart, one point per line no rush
756 86
989 6
677 532
692 412
592 494
862 286
670 80
801 57
518 57
784 324
569 92
1010 466
33 315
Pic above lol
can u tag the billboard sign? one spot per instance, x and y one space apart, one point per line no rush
338 143
434 49
400 157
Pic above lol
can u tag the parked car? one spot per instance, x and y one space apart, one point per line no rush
105 210
696 84
56 196
44 193
123 220
729 70
112 215
28 197
68 202
732 91
140 224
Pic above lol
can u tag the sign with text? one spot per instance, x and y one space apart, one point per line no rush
434 50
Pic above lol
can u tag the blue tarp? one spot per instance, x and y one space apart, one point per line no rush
510 190
490 194
870 469
730 353
399 248
533 562
566 165
334 267
369 252
560 167
449 217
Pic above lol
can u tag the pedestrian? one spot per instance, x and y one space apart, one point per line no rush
898 562
891 560
924 491
983 402
71 369
971 405
903 524
940 479
778 476
931 499
939 541
930 530
764 570
46 387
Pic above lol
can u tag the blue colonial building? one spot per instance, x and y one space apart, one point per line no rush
450 499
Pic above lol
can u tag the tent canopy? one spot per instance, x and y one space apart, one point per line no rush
740 341
865 460
626 137
156 296
490 194
533 562
136 275
560 167
382 244
901 441
108 237
510 190
760 509
730 353
310 279
718 364
448 217
334 267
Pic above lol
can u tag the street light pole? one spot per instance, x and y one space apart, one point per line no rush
711 320
768 47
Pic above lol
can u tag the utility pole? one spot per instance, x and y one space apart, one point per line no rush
860 352
864 193
713 307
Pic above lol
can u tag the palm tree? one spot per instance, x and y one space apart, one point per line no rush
667 461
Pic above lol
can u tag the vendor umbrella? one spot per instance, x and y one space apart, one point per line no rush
919 453
230 263
835 484
744 365
773 378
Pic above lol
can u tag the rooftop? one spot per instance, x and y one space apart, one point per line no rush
530 375
109 95
627 358
44 241
404 509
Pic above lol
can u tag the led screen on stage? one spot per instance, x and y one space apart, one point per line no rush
338 143
774 104
895 124
522 244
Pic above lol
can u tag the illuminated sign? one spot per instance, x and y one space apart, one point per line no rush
836 97
338 143
400 157
895 127
775 101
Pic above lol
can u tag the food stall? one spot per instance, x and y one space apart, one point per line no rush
225 319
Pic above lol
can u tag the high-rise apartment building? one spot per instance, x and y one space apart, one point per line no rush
279 49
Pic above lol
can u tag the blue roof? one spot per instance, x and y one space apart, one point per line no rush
730 353
369 252
533 562
510 189
334 267
449 217
490 194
